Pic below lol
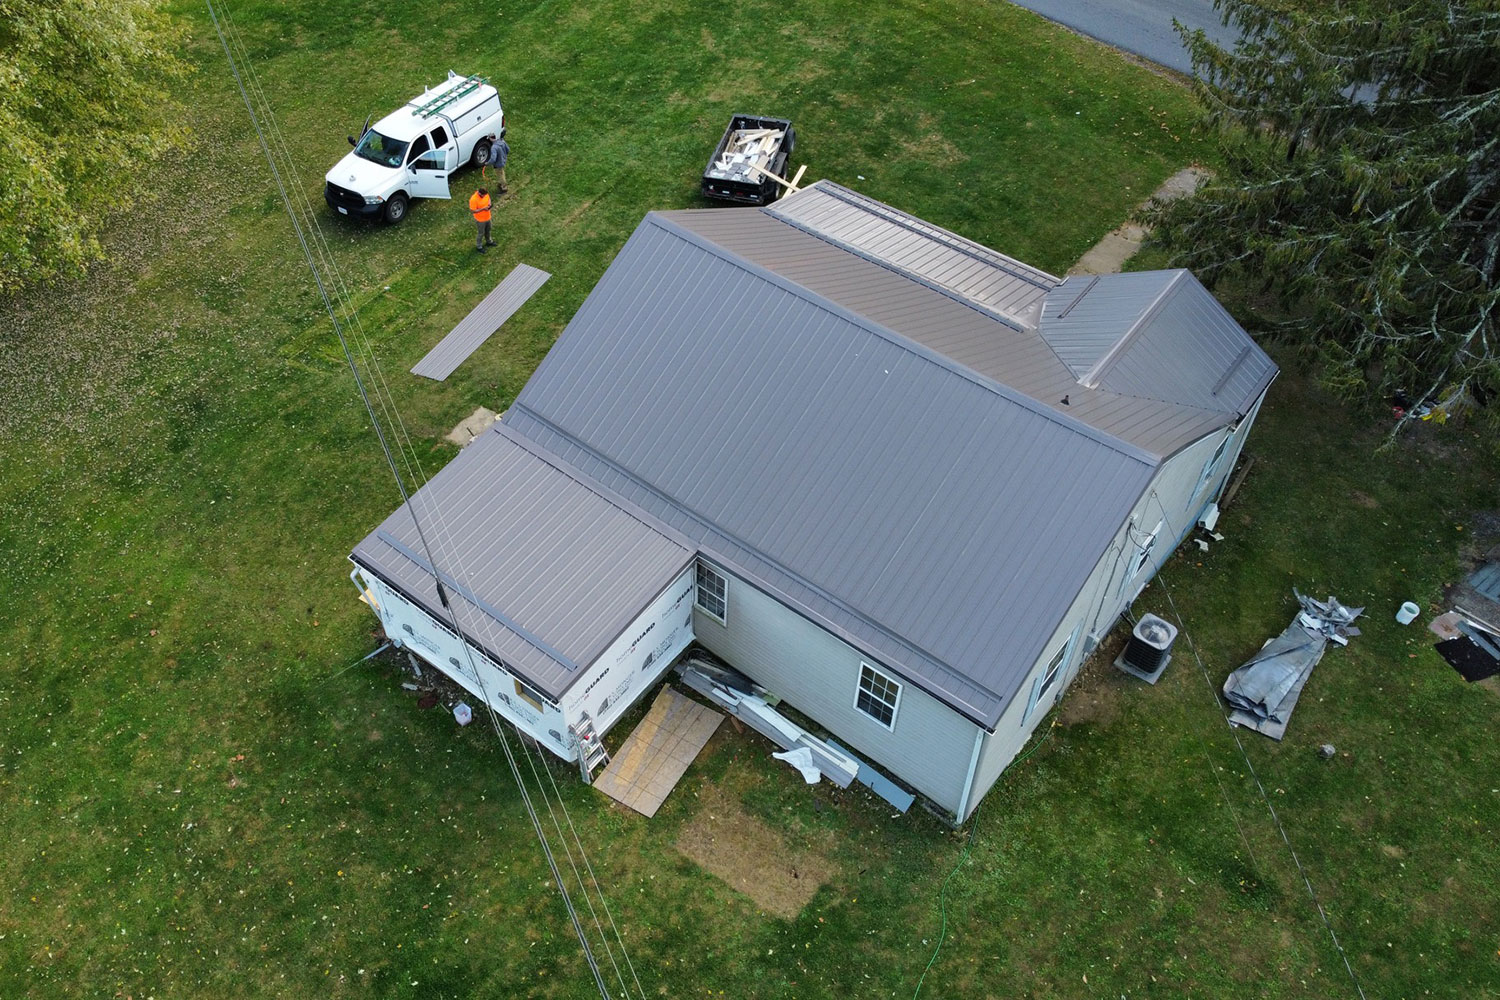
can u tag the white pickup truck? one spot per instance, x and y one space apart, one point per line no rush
411 152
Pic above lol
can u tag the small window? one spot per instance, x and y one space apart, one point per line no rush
878 696
1054 667
439 137
420 146
529 695
713 593
1143 550
1212 465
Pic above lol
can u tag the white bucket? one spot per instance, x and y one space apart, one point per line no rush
1407 613
463 714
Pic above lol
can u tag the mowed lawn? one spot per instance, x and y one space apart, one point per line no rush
202 798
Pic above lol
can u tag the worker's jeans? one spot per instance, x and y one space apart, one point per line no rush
482 234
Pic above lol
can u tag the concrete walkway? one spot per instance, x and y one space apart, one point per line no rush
1110 254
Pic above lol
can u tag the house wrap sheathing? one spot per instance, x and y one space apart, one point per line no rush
903 481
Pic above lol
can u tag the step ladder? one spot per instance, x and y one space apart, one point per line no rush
591 751
432 107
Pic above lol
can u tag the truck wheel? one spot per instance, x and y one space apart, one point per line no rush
481 154
395 209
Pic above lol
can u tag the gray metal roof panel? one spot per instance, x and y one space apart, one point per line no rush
481 322
985 278
890 492
1155 335
548 568
1021 359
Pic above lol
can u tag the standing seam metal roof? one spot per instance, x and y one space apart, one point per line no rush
999 286
545 568
868 478
1156 335
940 318
849 408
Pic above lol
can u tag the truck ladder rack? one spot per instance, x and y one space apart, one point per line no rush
432 107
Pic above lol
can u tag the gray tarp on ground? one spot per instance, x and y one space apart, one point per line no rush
1263 692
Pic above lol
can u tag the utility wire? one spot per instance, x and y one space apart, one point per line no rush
410 460
968 845
1270 806
323 290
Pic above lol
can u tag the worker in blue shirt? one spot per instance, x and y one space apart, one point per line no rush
499 154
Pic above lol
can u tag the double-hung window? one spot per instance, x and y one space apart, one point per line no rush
1050 676
713 592
1054 667
877 696
1212 465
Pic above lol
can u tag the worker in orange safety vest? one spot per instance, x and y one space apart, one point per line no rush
479 205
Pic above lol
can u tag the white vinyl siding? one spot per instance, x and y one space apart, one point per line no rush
817 673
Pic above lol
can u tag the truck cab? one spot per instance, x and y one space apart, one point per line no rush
412 152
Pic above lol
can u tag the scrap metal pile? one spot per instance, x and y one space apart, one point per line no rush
1263 692
745 149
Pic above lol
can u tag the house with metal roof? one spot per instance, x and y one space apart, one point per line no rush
901 480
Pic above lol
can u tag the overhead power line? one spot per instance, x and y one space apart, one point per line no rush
375 393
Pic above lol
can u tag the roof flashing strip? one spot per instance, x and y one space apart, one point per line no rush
1229 373
1078 298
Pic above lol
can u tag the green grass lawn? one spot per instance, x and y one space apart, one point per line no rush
201 801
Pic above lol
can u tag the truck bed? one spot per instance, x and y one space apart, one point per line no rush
752 146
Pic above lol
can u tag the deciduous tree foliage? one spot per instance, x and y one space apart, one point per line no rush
82 110
1361 186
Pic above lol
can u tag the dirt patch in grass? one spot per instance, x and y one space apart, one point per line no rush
927 144
1094 698
750 857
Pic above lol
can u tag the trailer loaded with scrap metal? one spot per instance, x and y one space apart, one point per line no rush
749 165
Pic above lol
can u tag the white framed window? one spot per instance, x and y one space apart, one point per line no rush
877 696
1143 547
1054 667
713 592
1212 465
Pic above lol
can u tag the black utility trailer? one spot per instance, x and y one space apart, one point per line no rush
751 146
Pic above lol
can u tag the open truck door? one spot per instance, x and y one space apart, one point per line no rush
429 173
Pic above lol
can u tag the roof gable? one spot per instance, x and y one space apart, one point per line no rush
1157 335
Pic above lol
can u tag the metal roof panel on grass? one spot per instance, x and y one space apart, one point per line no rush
481 322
